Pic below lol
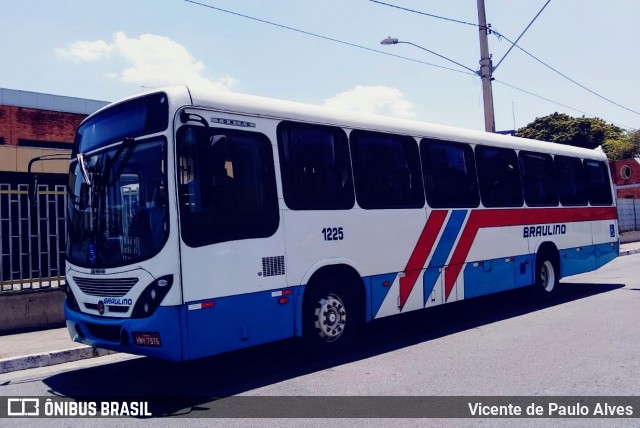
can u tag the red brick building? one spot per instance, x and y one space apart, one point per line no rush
34 124
626 177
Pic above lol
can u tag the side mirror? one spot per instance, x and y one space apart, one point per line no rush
33 178
32 191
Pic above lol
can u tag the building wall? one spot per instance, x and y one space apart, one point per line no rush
20 123
626 187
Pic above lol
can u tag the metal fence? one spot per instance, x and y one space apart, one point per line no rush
628 214
32 237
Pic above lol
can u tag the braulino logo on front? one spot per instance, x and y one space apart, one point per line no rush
117 301
23 407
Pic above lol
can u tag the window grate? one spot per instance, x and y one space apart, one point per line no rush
273 266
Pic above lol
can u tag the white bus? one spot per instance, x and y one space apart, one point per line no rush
201 223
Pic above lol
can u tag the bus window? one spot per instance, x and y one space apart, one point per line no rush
571 180
386 171
538 179
449 174
226 185
598 183
315 165
499 177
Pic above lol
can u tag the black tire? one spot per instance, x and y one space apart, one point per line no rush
547 275
331 316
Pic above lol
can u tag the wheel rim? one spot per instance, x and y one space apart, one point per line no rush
330 318
548 276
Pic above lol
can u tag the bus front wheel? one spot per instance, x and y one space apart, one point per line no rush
330 318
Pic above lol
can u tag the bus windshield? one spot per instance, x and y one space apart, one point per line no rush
117 204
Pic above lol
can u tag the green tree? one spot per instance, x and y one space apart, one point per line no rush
575 131
623 148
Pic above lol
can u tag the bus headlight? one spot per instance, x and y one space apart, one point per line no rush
72 303
152 296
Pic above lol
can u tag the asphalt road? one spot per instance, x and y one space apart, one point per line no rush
584 343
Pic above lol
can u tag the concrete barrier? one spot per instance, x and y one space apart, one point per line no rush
630 236
31 310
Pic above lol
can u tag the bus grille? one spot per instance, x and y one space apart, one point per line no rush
105 332
113 287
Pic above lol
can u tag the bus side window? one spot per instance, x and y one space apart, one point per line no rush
598 183
188 177
449 174
571 181
227 185
386 170
538 179
315 166
499 177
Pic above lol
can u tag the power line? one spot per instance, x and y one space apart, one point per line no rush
444 18
514 44
557 103
308 33
331 39
567 77
521 34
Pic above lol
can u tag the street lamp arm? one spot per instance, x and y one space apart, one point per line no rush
394 41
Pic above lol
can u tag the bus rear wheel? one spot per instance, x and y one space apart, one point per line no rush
547 276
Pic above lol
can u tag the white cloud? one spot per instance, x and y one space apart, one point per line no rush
373 99
85 50
150 60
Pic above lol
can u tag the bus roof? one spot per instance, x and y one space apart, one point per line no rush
255 106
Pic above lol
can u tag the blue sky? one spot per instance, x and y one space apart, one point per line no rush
106 50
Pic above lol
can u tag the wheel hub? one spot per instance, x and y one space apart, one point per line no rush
331 317
547 276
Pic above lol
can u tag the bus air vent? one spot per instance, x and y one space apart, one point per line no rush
273 266
102 287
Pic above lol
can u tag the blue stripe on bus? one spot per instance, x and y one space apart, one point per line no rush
240 321
604 253
576 260
488 276
380 286
442 251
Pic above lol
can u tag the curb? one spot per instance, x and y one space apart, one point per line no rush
628 252
51 358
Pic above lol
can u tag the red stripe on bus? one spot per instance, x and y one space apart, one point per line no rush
514 217
420 253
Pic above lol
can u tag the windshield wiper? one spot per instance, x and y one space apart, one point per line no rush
83 169
128 144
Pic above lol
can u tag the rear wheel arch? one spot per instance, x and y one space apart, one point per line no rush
547 269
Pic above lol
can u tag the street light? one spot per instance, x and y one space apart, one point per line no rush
394 41
486 80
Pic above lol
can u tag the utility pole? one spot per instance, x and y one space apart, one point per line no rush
486 70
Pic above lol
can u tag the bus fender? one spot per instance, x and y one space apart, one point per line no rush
551 249
313 269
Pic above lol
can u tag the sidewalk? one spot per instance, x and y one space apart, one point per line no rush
48 347
24 351
629 248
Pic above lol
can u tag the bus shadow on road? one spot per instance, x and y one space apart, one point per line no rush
191 387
